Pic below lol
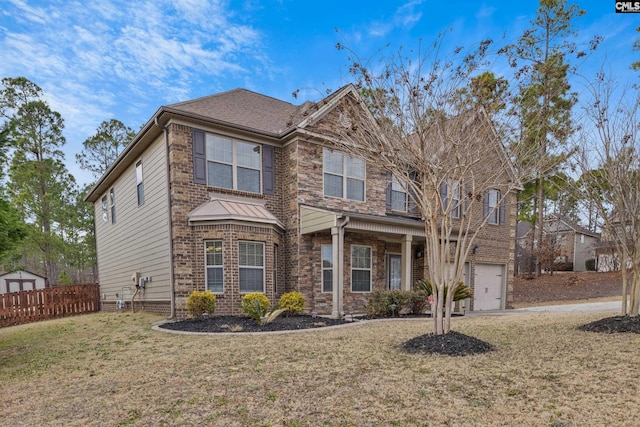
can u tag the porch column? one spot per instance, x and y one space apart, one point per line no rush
335 262
406 262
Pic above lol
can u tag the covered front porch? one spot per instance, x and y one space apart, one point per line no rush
358 254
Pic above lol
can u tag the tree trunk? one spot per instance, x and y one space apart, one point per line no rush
540 219
625 306
635 293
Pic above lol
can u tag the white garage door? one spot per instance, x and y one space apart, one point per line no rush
487 293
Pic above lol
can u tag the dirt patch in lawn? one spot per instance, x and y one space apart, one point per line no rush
566 287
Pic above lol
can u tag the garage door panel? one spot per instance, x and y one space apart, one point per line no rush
487 293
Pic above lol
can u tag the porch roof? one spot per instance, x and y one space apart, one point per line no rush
314 219
229 208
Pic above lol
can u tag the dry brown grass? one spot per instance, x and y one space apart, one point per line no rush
113 370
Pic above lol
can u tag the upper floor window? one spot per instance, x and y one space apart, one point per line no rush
112 199
233 164
344 176
493 209
399 201
139 183
105 214
214 269
451 195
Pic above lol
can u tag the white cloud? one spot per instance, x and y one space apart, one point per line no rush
97 59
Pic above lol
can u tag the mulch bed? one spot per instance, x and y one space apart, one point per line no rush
246 324
612 325
451 344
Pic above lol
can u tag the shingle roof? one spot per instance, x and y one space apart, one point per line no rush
247 109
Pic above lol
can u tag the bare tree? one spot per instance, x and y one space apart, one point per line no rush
610 163
447 154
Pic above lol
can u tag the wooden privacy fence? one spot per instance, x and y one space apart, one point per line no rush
49 303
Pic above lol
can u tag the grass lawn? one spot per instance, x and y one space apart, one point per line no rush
110 369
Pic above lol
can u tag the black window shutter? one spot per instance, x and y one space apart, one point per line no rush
268 171
199 157
389 189
502 210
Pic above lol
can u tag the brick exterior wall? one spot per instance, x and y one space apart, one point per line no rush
298 180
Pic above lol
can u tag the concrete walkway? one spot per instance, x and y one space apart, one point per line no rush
590 307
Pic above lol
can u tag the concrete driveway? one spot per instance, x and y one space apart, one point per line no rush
590 307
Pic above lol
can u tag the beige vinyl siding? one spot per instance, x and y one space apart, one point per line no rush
138 241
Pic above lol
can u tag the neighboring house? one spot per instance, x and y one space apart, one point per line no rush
239 192
21 280
608 251
574 244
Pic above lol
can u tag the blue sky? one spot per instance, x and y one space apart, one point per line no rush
123 59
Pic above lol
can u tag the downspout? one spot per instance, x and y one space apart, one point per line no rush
172 294
341 227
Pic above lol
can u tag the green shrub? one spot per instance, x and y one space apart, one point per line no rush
387 303
199 303
590 264
462 292
293 302
255 305
418 301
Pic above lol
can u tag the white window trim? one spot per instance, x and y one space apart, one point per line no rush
207 266
396 181
323 269
105 208
139 182
494 211
263 267
112 204
370 269
345 176
234 164
275 269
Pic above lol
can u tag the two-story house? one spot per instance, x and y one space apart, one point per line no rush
239 192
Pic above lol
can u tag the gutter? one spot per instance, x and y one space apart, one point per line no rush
172 286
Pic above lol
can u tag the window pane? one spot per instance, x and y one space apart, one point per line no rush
220 175
251 280
355 168
219 149
327 256
361 281
360 257
138 172
140 193
248 155
355 189
398 201
249 180
333 162
493 198
215 282
251 254
332 185
214 253
327 280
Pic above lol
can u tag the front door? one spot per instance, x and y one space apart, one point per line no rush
395 272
